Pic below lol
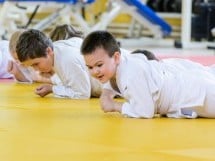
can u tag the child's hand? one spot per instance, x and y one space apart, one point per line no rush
43 90
14 69
37 77
108 93
107 102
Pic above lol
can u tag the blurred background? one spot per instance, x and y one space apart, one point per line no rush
151 24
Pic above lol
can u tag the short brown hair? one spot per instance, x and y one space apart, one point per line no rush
14 39
100 39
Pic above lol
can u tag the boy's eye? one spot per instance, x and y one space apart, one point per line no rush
99 65
89 67
33 65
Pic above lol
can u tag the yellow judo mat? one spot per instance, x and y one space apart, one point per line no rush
56 129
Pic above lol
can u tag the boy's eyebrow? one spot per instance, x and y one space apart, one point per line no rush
94 64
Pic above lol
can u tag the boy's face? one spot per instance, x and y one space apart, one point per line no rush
42 64
100 65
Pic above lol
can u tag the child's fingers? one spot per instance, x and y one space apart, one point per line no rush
39 89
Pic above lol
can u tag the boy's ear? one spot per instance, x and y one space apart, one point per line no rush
117 55
49 51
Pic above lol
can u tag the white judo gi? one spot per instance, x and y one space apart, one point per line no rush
70 67
4 58
69 64
151 87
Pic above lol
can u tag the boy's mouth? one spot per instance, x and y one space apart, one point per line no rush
100 77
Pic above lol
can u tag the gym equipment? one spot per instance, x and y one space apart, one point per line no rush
13 10
172 6
156 5
147 17
203 21
165 5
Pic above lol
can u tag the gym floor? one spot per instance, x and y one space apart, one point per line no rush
53 129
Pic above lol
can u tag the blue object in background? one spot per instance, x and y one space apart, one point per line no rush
150 15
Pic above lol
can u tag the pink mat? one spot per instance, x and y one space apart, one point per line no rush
6 80
205 60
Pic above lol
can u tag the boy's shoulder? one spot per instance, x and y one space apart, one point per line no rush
4 46
4 43
130 64
72 42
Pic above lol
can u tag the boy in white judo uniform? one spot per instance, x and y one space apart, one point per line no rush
148 87
25 74
62 57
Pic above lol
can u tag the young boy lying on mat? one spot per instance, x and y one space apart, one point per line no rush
10 66
149 87
25 74
63 57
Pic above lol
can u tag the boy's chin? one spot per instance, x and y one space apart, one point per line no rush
46 71
102 81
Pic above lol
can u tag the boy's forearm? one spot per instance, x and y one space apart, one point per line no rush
20 77
17 73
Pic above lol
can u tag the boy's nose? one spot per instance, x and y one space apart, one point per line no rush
95 71
36 68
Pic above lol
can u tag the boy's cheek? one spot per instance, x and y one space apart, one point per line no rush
91 73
